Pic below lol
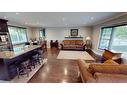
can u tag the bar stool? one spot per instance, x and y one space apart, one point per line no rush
34 59
21 68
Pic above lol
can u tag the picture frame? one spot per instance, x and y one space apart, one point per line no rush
74 32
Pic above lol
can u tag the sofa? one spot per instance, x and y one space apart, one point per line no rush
108 72
73 45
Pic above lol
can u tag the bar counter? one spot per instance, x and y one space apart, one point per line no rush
7 59
17 52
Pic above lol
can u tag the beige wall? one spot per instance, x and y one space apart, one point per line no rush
60 33
32 33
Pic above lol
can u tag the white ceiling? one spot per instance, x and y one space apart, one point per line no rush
57 19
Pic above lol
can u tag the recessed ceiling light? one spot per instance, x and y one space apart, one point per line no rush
43 24
66 24
17 13
63 19
92 18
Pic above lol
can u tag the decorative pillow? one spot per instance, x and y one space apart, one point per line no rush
107 54
110 62
66 42
72 42
79 42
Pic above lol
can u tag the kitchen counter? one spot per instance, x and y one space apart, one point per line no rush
17 52
8 59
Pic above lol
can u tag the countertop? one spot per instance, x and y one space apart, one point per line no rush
17 51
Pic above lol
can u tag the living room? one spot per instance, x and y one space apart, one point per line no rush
62 38
63 47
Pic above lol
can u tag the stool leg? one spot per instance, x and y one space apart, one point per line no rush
18 72
27 72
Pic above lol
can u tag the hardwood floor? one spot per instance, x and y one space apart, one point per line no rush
57 71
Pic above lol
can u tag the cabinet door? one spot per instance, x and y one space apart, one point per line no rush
3 27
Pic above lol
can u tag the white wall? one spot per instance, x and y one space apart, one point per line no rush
60 33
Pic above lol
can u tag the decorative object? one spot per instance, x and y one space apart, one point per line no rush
88 43
74 32
88 38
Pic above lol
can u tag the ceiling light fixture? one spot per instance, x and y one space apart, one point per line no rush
17 13
26 23
92 18
63 19
43 24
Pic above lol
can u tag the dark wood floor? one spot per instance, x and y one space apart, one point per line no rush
57 70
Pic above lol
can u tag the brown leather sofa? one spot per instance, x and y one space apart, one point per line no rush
102 73
73 45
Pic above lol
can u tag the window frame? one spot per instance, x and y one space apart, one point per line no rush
111 36
40 32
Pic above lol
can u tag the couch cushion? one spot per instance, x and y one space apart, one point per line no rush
110 62
79 42
110 78
78 46
72 42
111 69
107 54
66 42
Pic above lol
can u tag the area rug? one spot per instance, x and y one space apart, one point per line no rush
74 55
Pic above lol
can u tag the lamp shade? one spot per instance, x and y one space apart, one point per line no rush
88 38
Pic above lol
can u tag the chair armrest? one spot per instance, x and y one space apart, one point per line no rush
110 78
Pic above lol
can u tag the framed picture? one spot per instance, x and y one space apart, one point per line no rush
74 32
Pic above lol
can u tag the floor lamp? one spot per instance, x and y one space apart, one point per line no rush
88 43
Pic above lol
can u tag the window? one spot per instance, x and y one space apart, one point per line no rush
119 39
105 38
114 38
42 33
18 35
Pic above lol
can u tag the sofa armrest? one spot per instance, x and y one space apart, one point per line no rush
84 46
86 76
110 78
61 45
116 56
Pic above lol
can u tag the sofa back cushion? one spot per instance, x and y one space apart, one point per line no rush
111 69
72 42
79 42
66 42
